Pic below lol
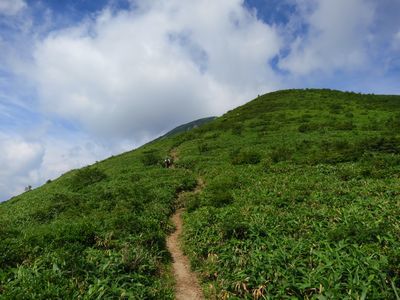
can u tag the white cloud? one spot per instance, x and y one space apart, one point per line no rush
135 74
26 161
337 37
11 7
18 159
63 155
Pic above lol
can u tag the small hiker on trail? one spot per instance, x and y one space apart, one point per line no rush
167 162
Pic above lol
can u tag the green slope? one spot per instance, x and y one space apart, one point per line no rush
302 200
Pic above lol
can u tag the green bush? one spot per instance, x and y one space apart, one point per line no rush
188 183
347 174
234 226
307 127
218 190
336 151
394 122
281 154
266 164
221 198
245 157
221 183
186 163
151 158
193 202
349 115
348 125
305 118
381 144
85 177
203 147
336 108
237 129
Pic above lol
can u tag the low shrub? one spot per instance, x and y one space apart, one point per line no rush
221 183
356 231
266 164
151 158
394 122
188 183
220 198
305 118
346 174
85 177
348 125
58 204
336 108
188 136
237 129
203 147
335 151
193 202
234 226
381 144
281 154
246 157
186 163
307 127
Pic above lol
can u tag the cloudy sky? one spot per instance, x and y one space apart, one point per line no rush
83 79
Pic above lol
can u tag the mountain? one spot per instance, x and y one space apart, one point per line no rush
292 195
188 126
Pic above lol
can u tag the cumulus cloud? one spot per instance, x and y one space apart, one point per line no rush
336 39
26 161
11 7
137 73
19 160
64 154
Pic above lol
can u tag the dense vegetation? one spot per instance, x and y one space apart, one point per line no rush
98 232
302 200
302 197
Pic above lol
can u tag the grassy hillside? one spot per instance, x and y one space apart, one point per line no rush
98 232
301 200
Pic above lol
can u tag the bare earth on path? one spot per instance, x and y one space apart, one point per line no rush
187 286
174 156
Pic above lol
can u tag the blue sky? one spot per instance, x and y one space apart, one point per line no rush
81 80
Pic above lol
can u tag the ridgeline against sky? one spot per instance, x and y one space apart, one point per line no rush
80 80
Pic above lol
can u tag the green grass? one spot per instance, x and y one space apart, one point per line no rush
98 232
302 200
315 208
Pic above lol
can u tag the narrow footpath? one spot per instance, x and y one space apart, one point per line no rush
187 286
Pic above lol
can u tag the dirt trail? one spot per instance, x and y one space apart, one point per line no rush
174 155
187 286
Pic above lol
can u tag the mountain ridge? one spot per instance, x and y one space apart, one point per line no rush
187 126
